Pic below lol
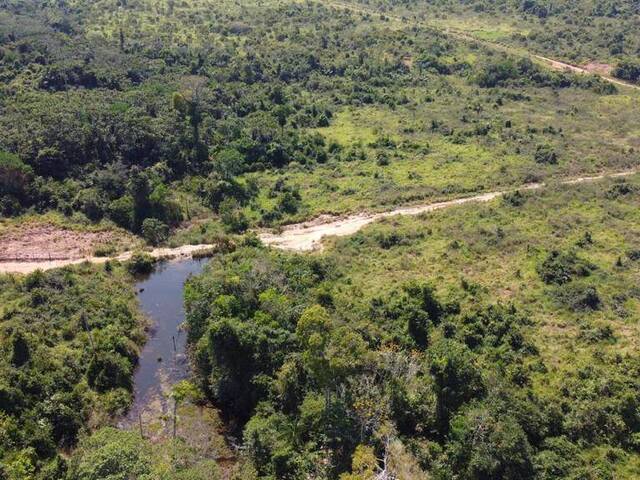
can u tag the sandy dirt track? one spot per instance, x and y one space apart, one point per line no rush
308 235
31 266
556 65
304 236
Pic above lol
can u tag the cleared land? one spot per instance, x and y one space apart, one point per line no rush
36 242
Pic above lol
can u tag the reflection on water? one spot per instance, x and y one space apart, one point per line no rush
163 360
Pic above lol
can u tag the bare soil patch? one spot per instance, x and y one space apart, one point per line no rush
407 61
598 68
36 241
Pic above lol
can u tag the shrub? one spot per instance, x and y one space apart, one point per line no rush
104 250
140 264
559 268
579 297
494 74
216 190
628 70
289 202
382 159
251 239
34 280
597 334
633 255
107 371
558 456
121 212
15 176
111 453
389 240
586 240
154 231
20 347
515 199
205 253
619 189
232 216
229 162
545 154
9 206
90 202
502 450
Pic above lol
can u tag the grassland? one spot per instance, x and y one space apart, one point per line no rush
424 164
493 253
495 249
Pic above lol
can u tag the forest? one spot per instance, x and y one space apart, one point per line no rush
428 373
482 341
107 118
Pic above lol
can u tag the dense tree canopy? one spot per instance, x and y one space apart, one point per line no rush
70 340
311 386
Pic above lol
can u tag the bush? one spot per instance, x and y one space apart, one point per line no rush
90 202
229 162
597 334
633 255
104 250
559 268
9 206
109 370
140 264
121 212
620 189
494 74
20 347
545 154
388 240
558 456
382 159
289 202
233 217
628 70
502 450
15 177
579 297
154 231
515 199
217 190
111 453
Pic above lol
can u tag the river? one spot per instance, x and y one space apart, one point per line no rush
163 360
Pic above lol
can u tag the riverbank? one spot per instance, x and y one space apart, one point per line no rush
28 266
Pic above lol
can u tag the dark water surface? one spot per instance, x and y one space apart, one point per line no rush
160 365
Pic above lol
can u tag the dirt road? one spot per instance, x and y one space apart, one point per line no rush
308 235
556 65
304 236
462 35
31 266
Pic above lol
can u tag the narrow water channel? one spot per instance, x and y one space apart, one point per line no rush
163 360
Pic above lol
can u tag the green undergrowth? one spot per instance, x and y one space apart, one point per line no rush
517 318
70 339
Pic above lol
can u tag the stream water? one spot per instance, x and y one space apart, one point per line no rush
163 360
